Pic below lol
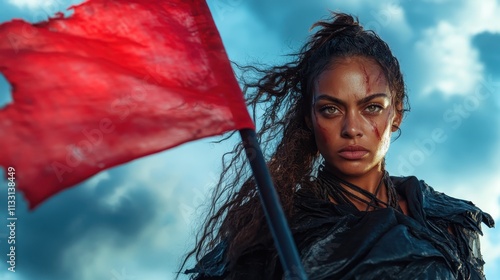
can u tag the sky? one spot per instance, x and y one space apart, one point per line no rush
137 220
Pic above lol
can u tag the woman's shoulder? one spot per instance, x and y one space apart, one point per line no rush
435 204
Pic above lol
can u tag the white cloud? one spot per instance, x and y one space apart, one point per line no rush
32 4
451 62
478 16
399 22
379 16
92 183
389 16
41 10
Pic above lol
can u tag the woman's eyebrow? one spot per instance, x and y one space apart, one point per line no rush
343 103
371 97
329 98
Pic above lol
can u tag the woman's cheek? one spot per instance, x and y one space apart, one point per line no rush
321 130
374 129
386 135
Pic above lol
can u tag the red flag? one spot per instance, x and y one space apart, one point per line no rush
118 80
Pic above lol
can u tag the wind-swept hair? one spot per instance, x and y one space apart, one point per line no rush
283 96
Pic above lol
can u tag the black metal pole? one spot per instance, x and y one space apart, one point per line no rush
275 216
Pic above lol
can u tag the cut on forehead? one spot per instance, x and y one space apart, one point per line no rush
369 66
374 75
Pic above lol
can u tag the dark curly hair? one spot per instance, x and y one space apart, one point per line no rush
235 213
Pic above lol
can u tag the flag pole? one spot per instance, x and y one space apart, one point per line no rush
275 216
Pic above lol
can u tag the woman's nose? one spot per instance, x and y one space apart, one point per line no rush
351 126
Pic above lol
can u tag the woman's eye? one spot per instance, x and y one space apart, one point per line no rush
329 110
374 108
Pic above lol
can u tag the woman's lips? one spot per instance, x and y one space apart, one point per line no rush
353 152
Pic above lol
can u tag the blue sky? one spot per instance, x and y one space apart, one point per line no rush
136 221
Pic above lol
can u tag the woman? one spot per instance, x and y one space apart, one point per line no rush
326 129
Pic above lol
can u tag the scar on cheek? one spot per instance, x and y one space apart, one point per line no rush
377 133
323 131
375 130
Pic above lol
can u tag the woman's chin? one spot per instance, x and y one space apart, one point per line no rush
350 169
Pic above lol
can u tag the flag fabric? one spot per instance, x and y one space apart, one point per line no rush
117 80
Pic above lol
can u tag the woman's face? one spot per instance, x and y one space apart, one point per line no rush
352 116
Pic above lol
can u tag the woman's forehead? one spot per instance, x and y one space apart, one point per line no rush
356 75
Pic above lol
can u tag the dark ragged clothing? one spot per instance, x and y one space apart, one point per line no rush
438 239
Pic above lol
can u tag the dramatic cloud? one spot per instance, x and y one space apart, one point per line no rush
453 62
447 50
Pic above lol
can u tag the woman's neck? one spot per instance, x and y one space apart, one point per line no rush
371 182
368 181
